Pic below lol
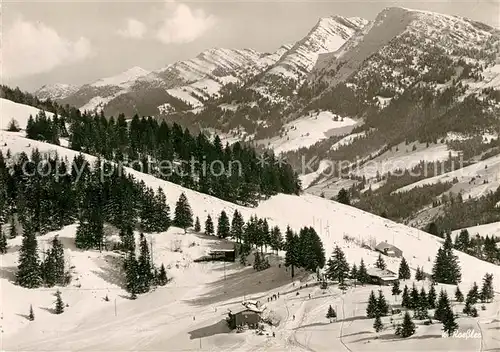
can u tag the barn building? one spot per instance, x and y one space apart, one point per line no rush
247 317
389 250
381 276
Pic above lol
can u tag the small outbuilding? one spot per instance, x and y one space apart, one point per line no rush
389 250
226 255
247 316
381 276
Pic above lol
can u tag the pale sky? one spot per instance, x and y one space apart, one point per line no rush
80 41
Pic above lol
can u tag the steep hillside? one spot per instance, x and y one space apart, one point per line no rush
328 35
194 305
191 309
56 91
190 82
332 220
19 112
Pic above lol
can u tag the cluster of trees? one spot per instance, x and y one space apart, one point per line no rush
60 193
481 247
18 96
474 295
446 267
33 272
421 302
46 129
462 213
304 250
140 271
338 269
46 193
232 173
108 195
377 306
255 233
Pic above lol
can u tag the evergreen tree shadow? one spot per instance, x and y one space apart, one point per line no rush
214 242
69 243
425 337
312 325
8 273
113 272
25 316
13 249
358 333
388 337
246 282
357 317
50 310
220 327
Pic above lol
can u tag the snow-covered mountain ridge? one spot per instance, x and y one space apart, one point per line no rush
193 81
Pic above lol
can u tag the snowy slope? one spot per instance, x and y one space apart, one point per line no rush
55 91
404 158
20 112
331 220
190 311
471 179
328 35
310 129
492 229
124 79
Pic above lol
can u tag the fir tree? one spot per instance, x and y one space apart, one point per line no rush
337 266
132 277
197 226
487 292
237 225
372 308
396 291
419 274
59 309
382 306
311 251
423 301
363 277
13 126
183 214
223 229
414 297
343 197
446 267
431 297
29 272
31 316
57 258
404 270
442 306
405 302
354 272
473 294
127 238
276 239
292 255
459 295
13 230
331 314
377 324
380 263
449 321
162 276
145 275
3 241
408 327
209 226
